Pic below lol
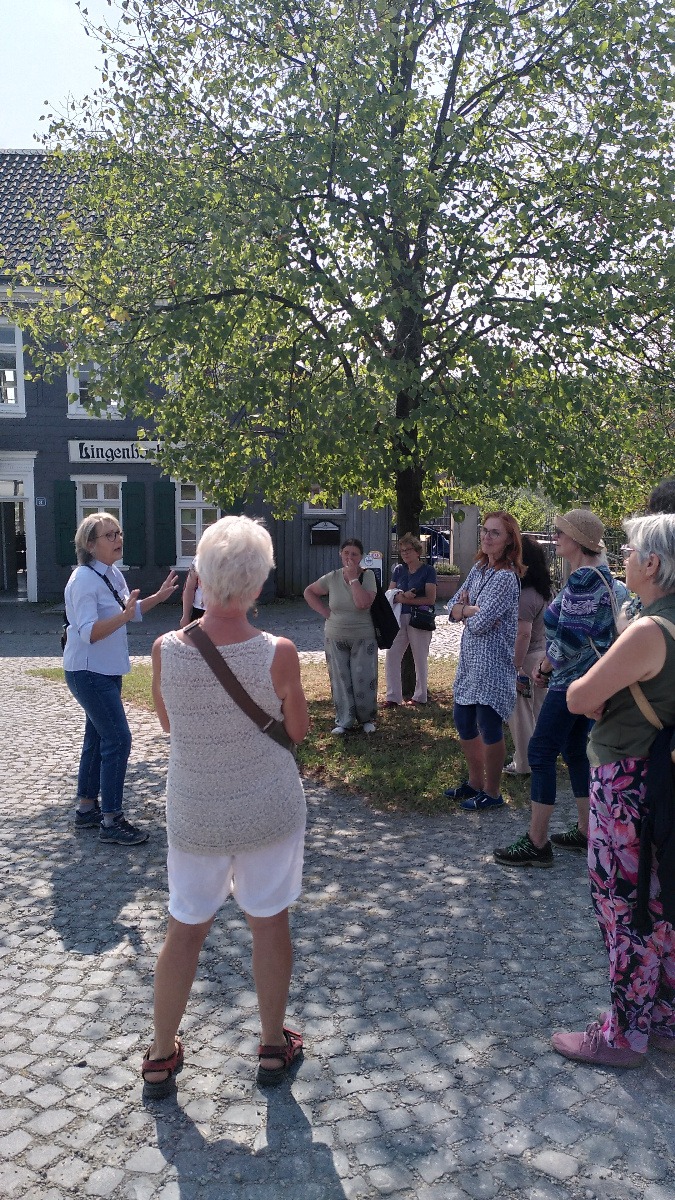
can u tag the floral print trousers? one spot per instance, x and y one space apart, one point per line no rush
641 966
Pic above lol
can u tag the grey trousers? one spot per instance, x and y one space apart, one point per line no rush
352 669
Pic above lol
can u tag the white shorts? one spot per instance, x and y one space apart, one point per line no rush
263 882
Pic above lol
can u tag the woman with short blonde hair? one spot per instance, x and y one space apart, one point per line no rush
235 806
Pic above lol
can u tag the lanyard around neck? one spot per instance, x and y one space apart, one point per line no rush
108 584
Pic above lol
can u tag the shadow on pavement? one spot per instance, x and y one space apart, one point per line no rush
93 891
284 1153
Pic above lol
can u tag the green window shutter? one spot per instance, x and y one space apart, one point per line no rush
65 520
165 522
133 523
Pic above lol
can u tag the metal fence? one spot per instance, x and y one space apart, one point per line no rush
614 539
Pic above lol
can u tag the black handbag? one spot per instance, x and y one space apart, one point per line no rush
383 617
423 618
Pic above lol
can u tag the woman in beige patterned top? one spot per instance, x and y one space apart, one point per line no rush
235 805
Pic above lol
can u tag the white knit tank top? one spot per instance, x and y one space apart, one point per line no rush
230 787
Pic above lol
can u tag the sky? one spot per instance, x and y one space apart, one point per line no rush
46 55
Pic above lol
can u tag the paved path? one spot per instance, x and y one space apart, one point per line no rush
427 982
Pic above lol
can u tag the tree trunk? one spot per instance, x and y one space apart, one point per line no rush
409 484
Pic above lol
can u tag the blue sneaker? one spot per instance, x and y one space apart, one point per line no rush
463 792
481 800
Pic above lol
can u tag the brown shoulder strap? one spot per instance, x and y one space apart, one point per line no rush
267 724
648 712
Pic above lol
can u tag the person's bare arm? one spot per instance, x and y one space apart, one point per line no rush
639 654
188 597
157 697
287 684
411 597
361 596
314 596
522 642
107 625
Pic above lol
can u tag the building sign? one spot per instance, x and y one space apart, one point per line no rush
373 560
87 451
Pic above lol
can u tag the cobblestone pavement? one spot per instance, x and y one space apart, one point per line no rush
32 629
427 982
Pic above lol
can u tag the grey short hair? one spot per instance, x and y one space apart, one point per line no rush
655 534
234 558
87 532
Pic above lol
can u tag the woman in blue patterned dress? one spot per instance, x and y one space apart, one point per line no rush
485 683
579 626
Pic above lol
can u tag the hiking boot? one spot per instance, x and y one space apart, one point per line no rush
463 792
123 833
88 820
481 800
524 853
591 1047
571 839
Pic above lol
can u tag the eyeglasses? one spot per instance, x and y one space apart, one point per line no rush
626 551
489 533
111 536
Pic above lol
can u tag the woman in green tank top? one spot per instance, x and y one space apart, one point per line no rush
642 966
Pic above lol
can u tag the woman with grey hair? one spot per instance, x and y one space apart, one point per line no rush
234 800
99 606
624 749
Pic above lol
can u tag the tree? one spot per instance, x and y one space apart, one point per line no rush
383 246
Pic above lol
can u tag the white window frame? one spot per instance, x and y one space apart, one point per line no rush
184 561
19 409
81 503
76 409
310 510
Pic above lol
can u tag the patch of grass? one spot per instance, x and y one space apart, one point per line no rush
136 687
403 767
406 765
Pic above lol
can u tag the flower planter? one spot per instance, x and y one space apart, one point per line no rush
446 586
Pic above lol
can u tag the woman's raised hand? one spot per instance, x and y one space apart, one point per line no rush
168 587
130 605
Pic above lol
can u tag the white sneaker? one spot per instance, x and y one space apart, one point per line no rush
510 769
369 727
339 730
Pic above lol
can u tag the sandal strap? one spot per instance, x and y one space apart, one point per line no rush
162 1064
287 1052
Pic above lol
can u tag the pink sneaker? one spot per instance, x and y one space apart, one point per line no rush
591 1047
665 1044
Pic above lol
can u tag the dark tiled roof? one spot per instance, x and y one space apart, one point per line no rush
28 180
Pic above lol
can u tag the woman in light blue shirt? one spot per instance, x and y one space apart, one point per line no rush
96 656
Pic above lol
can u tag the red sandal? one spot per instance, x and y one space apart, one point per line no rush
291 1053
173 1064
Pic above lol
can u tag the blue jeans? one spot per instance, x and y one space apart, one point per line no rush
558 731
107 737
